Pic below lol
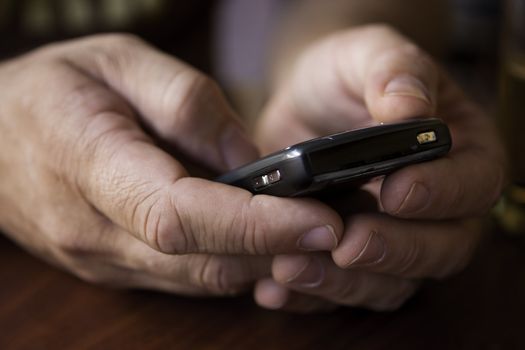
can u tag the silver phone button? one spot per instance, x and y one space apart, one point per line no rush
266 179
274 176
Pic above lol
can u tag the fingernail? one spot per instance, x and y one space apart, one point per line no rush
408 85
372 252
310 272
320 238
416 199
236 149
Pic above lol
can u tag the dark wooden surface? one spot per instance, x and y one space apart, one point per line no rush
43 308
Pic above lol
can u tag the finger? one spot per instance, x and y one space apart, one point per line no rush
410 249
274 296
203 275
280 128
467 182
317 275
179 104
398 81
394 78
369 71
200 274
111 256
116 276
384 71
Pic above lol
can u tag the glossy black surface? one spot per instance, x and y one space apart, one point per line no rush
314 165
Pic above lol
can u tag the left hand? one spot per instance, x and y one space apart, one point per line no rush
424 226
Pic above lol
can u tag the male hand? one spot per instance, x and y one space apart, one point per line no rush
84 186
357 78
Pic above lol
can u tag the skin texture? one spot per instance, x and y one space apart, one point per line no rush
425 224
85 187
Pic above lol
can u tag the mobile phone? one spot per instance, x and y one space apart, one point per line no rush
344 159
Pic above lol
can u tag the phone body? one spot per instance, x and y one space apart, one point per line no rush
344 159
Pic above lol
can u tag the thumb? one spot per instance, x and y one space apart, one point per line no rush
347 79
396 79
401 84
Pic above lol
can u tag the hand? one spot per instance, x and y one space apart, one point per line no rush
358 78
86 188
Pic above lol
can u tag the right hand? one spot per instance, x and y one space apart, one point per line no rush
86 188
426 222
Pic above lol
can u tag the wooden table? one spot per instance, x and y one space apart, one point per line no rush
43 308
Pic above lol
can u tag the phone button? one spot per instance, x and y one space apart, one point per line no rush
266 179
274 176
426 137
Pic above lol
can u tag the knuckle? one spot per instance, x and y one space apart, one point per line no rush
120 52
83 255
91 276
381 29
102 132
412 50
241 231
75 245
184 93
362 227
70 242
254 232
102 276
88 99
407 51
351 292
393 302
238 232
113 54
213 274
199 83
149 217
160 223
411 258
119 40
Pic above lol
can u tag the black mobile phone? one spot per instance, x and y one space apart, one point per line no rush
347 158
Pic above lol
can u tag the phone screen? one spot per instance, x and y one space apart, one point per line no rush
352 154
